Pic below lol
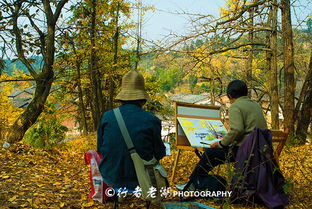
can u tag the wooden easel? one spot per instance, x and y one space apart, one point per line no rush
279 137
187 110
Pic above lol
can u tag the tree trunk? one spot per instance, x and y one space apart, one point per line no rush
81 102
305 114
273 70
82 107
44 79
212 92
34 109
94 75
139 34
289 97
115 62
250 52
268 59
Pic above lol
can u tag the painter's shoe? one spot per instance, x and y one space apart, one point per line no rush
180 186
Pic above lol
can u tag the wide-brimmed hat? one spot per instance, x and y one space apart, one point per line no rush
132 87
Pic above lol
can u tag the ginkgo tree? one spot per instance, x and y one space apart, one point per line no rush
250 27
31 27
93 57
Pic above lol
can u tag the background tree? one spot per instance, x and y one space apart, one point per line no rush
248 34
94 45
22 33
273 67
305 114
289 68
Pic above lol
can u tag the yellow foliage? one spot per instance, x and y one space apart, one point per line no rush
231 7
8 113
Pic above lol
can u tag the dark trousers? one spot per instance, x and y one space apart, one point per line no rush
211 158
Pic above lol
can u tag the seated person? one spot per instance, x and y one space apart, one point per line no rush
244 115
144 128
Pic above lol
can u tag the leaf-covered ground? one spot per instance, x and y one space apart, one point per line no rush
58 177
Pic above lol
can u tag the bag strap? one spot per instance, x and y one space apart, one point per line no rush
124 130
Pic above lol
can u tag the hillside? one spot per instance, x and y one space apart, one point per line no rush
10 65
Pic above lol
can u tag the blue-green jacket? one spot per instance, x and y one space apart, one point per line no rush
116 167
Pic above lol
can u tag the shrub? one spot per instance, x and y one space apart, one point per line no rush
47 131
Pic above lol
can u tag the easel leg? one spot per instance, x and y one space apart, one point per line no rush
175 166
148 204
115 202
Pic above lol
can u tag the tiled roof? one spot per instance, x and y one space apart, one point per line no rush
21 102
189 98
17 91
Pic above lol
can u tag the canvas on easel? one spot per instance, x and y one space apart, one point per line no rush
202 132
197 126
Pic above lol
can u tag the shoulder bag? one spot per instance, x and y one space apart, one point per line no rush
150 174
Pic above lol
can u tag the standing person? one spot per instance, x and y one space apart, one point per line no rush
144 128
244 115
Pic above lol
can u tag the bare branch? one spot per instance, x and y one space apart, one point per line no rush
48 12
18 36
59 9
41 34
17 80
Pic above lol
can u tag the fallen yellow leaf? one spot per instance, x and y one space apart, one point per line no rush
88 204
57 183
13 198
24 205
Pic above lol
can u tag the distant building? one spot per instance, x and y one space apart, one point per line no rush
192 98
22 98
70 120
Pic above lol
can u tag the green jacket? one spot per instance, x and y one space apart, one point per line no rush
244 115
